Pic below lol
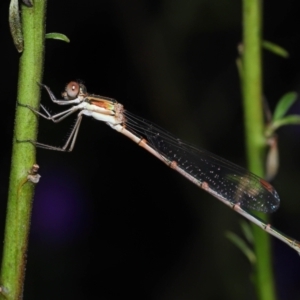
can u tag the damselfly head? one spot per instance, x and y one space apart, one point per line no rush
73 89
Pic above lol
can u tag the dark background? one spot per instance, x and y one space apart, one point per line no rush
109 220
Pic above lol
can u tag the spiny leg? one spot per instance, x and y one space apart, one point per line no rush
68 146
55 118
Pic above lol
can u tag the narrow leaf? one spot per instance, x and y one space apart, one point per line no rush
236 240
275 49
284 104
247 231
57 36
288 120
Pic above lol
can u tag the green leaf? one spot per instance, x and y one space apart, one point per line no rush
240 243
275 49
57 36
288 120
247 231
284 105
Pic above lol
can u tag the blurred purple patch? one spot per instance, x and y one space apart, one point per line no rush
60 209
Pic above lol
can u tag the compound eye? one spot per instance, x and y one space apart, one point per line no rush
72 90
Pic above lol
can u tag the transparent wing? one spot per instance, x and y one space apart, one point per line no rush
231 182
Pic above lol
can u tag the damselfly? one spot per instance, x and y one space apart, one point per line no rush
234 186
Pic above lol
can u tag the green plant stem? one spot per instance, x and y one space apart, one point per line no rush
255 141
23 156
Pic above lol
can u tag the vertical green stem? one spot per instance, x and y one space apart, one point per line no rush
23 157
254 126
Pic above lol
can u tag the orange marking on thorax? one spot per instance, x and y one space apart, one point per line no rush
98 103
